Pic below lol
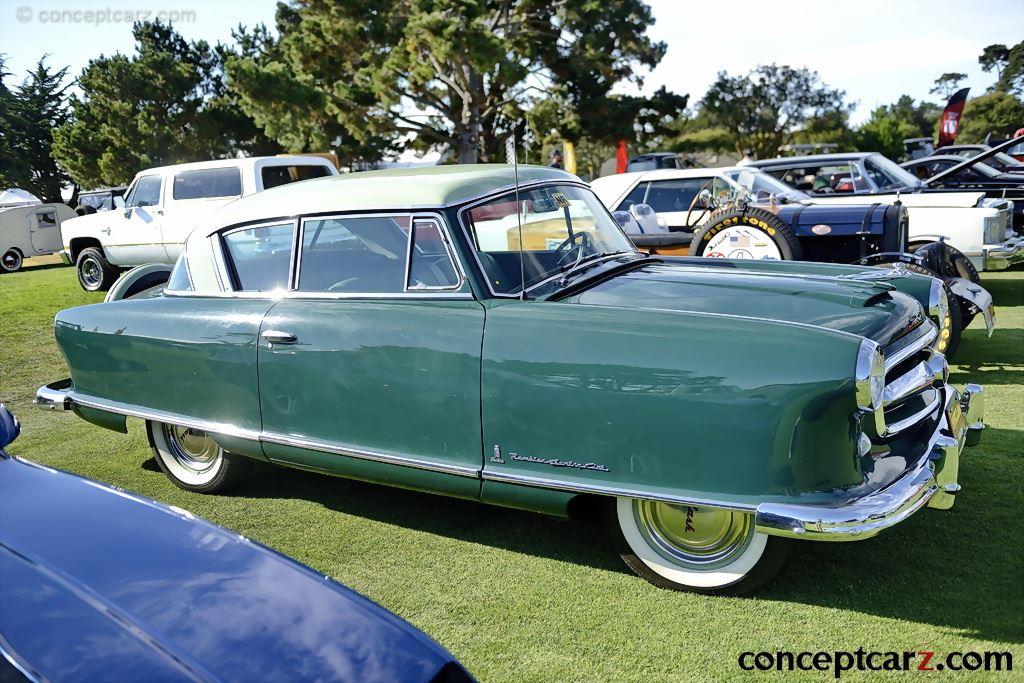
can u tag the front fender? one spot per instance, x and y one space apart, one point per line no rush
667 404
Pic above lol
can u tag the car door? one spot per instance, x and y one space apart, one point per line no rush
133 235
370 366
44 231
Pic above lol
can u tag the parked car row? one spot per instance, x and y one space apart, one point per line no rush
538 360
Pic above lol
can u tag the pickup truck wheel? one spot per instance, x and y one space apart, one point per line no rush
699 549
751 233
11 261
95 273
192 460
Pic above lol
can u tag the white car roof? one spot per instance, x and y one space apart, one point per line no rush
242 162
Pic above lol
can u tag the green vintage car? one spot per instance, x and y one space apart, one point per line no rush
451 331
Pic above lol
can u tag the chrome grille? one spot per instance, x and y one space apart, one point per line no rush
913 371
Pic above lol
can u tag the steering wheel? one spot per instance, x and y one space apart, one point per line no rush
569 245
693 202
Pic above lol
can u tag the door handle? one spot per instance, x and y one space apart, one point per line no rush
105 230
277 337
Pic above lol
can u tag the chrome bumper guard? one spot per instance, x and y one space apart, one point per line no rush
932 482
54 396
1005 255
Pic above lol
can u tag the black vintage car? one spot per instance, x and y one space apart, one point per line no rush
951 172
743 213
1001 161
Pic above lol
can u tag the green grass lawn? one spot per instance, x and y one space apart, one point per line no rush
520 596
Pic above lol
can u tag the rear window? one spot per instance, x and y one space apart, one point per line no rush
208 182
273 176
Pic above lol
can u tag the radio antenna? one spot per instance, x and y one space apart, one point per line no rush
510 155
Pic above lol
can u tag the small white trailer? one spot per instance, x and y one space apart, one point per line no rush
30 230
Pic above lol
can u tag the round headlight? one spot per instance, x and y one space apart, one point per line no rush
870 376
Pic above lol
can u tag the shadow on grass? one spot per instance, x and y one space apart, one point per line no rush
29 268
958 569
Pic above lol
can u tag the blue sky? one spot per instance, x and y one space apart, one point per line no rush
875 50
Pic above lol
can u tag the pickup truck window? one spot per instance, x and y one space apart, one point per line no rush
207 182
260 256
354 254
272 176
146 192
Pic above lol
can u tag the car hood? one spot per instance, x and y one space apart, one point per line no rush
102 584
870 309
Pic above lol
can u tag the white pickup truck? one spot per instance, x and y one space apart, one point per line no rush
163 205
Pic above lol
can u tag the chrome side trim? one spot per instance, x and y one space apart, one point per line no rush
618 492
363 454
269 437
130 410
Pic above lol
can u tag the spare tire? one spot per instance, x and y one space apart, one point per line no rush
750 233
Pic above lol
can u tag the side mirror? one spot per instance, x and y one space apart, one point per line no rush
127 212
9 426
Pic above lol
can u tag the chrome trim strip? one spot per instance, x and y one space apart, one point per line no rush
363 454
269 437
618 492
911 344
922 376
277 296
897 427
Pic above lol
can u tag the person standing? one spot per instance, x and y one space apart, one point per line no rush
556 159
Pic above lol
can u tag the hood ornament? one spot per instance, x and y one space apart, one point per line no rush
898 270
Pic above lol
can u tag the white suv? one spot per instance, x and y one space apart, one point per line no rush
163 205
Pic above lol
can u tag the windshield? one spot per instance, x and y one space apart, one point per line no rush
887 175
762 186
562 226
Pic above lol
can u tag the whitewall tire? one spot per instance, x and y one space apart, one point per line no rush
702 549
192 460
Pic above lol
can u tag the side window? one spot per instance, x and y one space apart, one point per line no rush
260 256
179 280
354 254
46 219
146 192
207 182
667 196
430 266
635 196
273 176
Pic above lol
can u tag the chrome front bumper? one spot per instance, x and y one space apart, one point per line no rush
932 482
54 396
1004 255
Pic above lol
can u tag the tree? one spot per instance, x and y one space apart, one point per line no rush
165 105
888 126
13 159
763 109
43 99
994 57
381 76
947 84
1011 79
998 114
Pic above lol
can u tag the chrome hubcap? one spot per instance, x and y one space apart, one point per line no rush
91 272
192 448
694 537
